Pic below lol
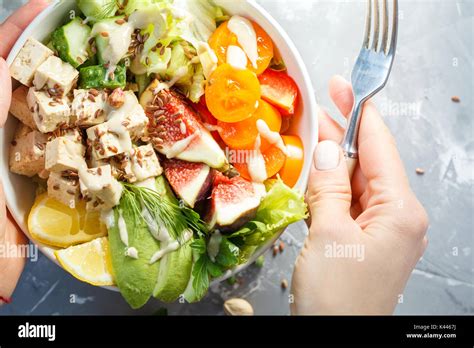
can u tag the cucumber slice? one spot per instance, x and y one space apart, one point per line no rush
103 42
96 77
71 42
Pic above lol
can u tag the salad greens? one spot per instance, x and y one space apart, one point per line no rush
172 42
188 270
281 207
172 47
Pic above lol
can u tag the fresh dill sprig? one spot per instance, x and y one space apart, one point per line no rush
130 204
175 218
108 10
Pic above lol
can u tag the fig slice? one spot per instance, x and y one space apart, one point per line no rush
190 181
176 131
234 202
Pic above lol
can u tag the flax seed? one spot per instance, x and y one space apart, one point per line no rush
56 187
104 34
71 192
112 149
94 92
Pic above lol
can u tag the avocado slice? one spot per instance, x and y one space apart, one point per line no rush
174 273
135 277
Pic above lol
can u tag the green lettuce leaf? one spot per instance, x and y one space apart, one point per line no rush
281 207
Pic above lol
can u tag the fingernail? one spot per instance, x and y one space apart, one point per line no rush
326 156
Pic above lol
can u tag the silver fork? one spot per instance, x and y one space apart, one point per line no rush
371 70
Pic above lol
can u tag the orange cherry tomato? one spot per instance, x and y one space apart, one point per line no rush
242 135
232 95
291 170
223 38
274 161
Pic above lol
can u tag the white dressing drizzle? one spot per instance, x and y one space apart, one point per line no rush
169 247
108 218
132 252
246 37
256 163
274 138
236 57
123 232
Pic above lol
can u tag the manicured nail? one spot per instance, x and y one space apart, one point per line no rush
326 156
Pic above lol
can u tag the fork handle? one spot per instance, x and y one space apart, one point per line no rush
349 143
351 165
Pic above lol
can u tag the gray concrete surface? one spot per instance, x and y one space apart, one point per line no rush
434 62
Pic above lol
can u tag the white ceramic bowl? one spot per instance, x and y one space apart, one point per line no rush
20 190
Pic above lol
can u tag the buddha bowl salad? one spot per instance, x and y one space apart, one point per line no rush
156 131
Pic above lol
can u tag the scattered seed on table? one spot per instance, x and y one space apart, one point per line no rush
284 284
455 99
420 171
281 246
275 250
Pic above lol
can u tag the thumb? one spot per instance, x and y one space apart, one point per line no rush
6 87
329 192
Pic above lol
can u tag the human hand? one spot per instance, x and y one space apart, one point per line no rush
364 240
10 234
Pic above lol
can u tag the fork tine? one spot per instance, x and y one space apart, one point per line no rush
375 41
393 42
383 46
368 22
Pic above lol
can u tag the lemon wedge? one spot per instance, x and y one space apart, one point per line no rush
89 262
55 224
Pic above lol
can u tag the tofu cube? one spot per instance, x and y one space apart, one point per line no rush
48 113
136 122
55 75
73 134
88 108
144 163
120 164
64 189
122 167
99 188
30 57
19 107
108 140
21 131
63 154
27 152
130 114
